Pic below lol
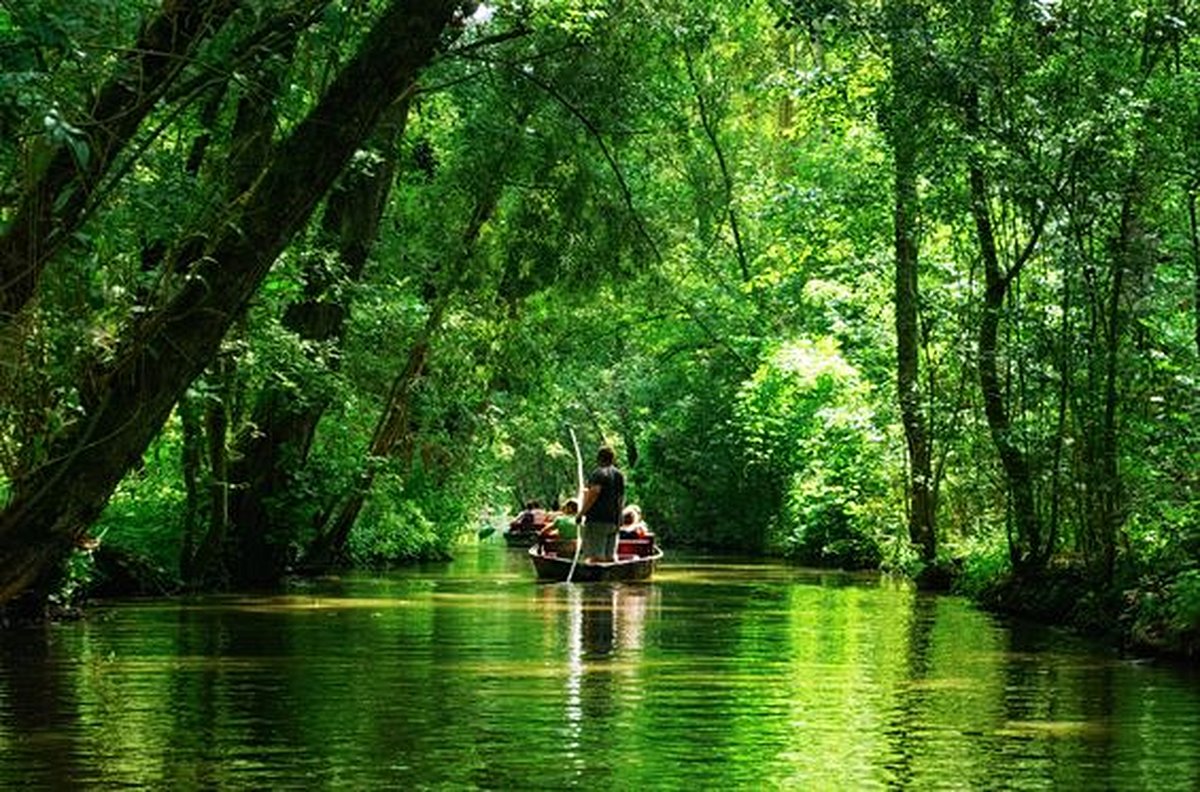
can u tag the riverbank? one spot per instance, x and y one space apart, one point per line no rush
1157 615
1152 614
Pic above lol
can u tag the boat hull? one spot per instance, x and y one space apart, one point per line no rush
636 562
520 538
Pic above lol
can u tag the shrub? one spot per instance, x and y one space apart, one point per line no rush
1164 614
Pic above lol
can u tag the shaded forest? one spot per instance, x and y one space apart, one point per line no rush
915 285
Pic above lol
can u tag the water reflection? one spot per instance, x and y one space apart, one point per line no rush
613 618
605 628
909 712
741 676
40 712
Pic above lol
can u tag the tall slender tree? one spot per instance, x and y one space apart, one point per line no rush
905 122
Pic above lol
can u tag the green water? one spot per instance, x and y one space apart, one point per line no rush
718 675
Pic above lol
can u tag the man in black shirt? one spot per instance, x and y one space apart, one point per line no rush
603 502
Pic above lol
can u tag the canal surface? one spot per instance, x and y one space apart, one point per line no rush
720 674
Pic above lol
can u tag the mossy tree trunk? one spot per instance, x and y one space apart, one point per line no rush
52 505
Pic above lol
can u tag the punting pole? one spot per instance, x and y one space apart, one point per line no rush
579 499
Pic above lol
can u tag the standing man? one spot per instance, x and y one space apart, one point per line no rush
603 502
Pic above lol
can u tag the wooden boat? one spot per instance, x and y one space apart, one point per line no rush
636 559
524 529
523 538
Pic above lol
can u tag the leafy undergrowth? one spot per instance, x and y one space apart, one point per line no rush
1163 614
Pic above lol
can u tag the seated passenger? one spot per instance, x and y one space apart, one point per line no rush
632 524
562 528
532 518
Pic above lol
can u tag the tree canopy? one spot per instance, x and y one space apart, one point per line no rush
909 283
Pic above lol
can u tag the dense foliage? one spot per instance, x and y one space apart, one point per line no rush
907 283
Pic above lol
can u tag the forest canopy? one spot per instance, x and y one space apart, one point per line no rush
898 283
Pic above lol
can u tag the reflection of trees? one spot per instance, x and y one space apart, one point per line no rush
911 712
1063 710
217 691
41 711
195 716
448 685
1012 707
597 617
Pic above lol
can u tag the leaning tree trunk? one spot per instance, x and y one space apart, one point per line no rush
390 431
50 507
394 429
709 124
60 197
268 459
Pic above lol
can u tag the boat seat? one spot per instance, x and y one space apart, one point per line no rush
639 548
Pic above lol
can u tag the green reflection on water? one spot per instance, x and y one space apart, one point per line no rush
720 673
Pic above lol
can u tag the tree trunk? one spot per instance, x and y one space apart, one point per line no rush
189 416
904 125
709 125
1027 549
249 559
391 430
251 136
1065 365
52 505
394 430
216 432
209 111
58 201
1195 234
1107 512
283 424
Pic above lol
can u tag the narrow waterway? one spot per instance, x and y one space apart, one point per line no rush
720 674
